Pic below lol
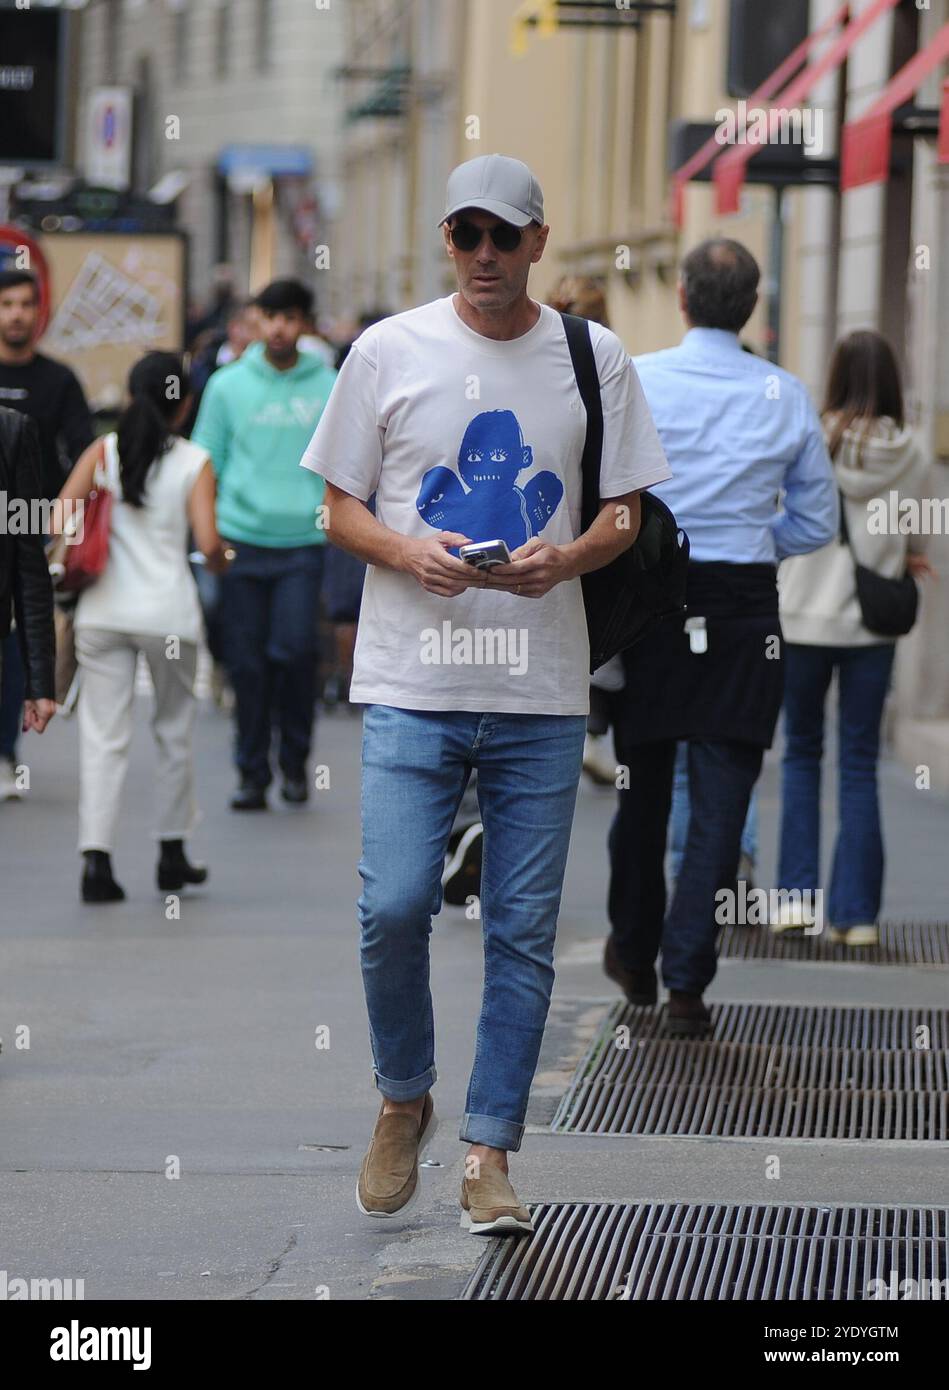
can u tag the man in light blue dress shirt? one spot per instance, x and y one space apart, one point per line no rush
752 483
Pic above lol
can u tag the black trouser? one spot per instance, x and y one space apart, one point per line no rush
721 778
601 711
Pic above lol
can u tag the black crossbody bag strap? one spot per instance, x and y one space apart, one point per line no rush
844 528
584 366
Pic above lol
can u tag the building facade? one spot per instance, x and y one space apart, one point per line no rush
400 113
239 98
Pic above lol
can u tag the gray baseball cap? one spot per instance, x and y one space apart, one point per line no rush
495 183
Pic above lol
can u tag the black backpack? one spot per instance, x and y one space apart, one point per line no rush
646 584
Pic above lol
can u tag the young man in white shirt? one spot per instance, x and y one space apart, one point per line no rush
464 418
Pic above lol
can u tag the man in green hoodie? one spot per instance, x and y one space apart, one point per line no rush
256 418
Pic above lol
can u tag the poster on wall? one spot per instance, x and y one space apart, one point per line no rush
113 297
108 138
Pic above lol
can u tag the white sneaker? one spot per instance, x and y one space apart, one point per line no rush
864 934
791 917
9 791
598 762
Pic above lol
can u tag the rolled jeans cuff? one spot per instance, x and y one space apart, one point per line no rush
406 1090
494 1133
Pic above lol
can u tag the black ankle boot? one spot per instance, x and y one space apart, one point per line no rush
174 871
687 1016
98 885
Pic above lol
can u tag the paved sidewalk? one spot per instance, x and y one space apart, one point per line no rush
155 1040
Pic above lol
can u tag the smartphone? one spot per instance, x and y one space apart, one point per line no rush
485 554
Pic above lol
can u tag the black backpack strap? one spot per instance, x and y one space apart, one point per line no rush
584 366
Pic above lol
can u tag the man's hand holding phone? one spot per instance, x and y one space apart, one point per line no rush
536 567
436 570
530 572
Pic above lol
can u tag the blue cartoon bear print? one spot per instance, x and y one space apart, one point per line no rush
486 503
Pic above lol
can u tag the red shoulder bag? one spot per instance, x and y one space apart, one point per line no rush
85 559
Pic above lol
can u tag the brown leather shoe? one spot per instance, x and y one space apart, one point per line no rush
686 1016
639 986
490 1206
388 1179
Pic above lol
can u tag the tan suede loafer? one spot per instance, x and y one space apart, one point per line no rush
388 1179
490 1206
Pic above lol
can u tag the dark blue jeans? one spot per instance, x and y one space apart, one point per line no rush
679 819
721 779
269 613
209 596
12 694
856 883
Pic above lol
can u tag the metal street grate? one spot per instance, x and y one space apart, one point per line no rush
767 1071
676 1251
901 943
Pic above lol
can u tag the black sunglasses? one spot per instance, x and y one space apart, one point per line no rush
465 236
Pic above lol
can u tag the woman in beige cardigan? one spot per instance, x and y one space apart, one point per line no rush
881 472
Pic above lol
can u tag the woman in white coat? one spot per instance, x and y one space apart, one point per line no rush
880 464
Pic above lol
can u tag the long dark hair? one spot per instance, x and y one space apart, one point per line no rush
864 384
157 385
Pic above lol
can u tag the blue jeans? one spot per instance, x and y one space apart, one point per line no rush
12 695
415 767
856 883
679 821
269 613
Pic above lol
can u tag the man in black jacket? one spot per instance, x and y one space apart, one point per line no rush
50 393
25 586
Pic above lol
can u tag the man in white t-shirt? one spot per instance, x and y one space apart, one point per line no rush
463 417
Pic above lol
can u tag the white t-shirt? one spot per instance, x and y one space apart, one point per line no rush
147 586
457 432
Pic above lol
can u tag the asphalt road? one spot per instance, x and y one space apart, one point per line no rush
160 1046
